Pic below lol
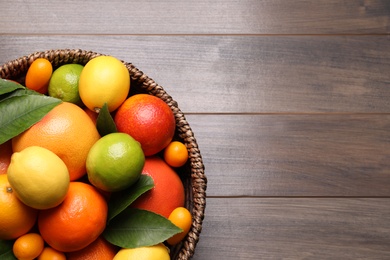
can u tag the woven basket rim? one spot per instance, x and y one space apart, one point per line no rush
196 182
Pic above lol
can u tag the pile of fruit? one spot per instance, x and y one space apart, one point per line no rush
88 169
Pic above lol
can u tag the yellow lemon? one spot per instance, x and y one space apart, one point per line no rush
158 251
104 79
39 178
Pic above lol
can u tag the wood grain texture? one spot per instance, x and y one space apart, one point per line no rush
272 228
196 17
288 100
252 74
295 155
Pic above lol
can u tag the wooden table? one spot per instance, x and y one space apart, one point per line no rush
289 102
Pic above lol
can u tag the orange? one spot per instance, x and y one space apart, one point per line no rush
168 191
38 75
100 249
67 131
5 156
28 246
176 154
77 221
16 218
182 218
149 120
50 253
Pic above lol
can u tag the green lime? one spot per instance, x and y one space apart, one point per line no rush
64 83
115 162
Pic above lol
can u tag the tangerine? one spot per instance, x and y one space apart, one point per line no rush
16 218
5 156
67 131
38 75
176 154
168 191
149 120
77 221
28 246
100 249
182 218
49 253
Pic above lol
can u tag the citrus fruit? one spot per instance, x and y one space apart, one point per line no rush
168 191
104 79
99 249
156 252
64 83
115 162
92 114
67 131
175 154
39 178
28 246
149 120
38 75
16 218
77 221
5 156
49 253
182 218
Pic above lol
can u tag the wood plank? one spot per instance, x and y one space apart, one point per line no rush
301 228
295 155
253 74
196 17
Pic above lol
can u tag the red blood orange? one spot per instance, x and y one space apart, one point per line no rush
168 191
149 120
5 156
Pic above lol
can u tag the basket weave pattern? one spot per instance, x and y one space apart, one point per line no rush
194 179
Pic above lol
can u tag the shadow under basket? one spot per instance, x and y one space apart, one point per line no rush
192 174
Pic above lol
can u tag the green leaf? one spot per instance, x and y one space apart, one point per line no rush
6 250
105 123
119 201
135 228
18 113
19 92
7 86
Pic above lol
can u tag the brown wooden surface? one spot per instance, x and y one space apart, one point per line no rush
289 102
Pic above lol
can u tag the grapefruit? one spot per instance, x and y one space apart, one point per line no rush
168 191
67 131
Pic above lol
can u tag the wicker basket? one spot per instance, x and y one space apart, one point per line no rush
192 174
